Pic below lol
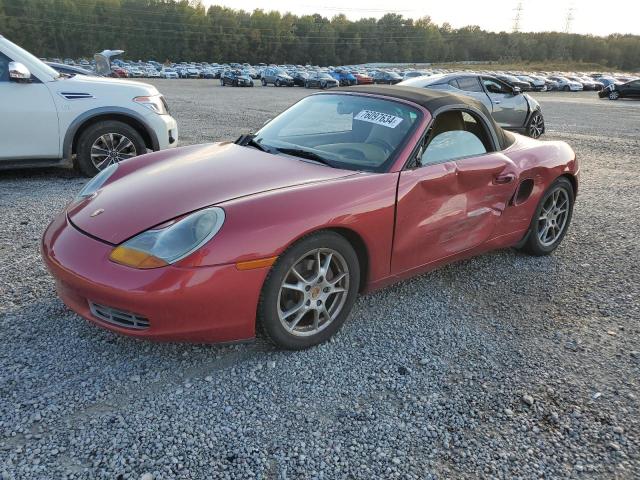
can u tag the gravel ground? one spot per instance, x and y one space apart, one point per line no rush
503 366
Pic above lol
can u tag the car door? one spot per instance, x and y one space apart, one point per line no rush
633 89
509 109
452 198
28 118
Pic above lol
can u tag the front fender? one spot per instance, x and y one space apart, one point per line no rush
265 224
105 112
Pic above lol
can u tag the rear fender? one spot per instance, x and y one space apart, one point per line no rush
543 163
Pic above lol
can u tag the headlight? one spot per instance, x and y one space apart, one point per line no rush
162 246
93 185
153 102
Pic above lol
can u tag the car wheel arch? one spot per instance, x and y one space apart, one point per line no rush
353 237
89 118
572 180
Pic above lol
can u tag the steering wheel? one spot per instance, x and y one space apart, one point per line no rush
386 146
353 153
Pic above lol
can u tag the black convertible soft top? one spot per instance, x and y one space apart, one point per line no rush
433 100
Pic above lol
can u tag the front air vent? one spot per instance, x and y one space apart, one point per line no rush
119 318
76 95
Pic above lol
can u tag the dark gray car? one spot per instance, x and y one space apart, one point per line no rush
511 108
277 77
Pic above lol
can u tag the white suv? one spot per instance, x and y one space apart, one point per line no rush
51 119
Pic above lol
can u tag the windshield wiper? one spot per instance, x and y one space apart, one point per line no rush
249 140
299 152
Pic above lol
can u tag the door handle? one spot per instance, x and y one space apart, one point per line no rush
504 179
497 102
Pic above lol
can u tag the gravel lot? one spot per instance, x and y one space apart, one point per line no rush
504 366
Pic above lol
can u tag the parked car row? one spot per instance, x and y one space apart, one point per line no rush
296 75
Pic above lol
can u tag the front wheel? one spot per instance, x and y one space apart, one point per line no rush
566 88
535 127
105 143
277 84
309 292
551 219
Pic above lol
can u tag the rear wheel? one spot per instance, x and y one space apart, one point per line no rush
614 95
264 82
566 88
309 292
551 219
106 143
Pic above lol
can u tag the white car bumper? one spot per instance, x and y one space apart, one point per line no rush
165 128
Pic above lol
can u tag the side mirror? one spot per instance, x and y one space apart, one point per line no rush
517 90
19 73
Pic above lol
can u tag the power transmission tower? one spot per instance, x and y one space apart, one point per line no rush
517 17
569 19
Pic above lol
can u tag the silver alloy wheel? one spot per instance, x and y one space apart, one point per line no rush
313 292
111 148
536 127
614 95
553 217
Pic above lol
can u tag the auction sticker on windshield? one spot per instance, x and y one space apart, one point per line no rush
378 118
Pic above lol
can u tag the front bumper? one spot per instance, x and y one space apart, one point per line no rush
166 130
202 304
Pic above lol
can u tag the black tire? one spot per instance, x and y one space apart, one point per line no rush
306 84
533 245
277 84
613 95
95 131
535 125
268 320
235 83
323 85
264 82
566 88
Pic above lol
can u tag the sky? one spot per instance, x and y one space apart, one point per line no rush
596 17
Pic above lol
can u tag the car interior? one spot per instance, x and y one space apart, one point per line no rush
455 134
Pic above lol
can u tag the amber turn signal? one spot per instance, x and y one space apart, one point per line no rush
135 258
251 264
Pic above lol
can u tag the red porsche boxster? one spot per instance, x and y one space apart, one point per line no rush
344 192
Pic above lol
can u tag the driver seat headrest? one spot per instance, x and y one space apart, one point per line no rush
446 122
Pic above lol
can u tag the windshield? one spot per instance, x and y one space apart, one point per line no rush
34 59
345 131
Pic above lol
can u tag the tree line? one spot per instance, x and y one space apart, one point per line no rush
186 30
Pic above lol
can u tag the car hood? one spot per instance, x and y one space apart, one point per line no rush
151 189
92 83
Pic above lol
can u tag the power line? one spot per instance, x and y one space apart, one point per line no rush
337 40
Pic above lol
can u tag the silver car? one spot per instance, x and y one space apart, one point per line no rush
511 108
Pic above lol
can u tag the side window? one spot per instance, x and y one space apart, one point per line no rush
469 84
454 83
494 86
455 134
4 67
